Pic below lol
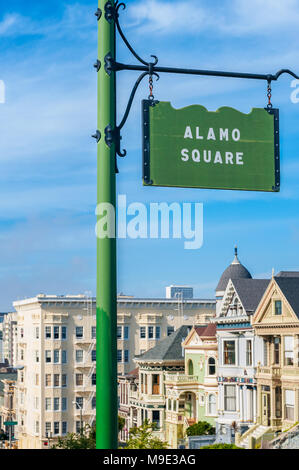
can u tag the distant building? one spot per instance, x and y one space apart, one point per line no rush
56 383
9 334
175 292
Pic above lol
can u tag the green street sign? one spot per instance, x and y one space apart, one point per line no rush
196 148
10 423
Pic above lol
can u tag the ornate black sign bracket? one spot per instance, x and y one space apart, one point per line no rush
152 69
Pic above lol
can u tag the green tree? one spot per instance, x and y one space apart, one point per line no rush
142 438
121 423
84 440
201 428
221 446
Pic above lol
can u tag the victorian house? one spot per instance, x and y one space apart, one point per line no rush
149 401
192 396
239 351
276 323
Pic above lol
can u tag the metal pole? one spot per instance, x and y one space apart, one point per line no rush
106 396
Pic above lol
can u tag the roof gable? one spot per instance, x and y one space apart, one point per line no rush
168 349
282 288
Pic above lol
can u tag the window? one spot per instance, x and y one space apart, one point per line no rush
79 380
265 353
56 356
142 332
48 380
156 384
119 332
22 377
48 356
229 352
48 332
64 357
289 404
36 403
276 350
36 356
126 355
190 367
126 332
47 429
63 332
78 426
64 427
289 350
56 332
79 355
158 332
119 355
211 366
94 379
79 332
156 418
277 307
93 332
21 354
36 332
36 427
56 404
64 380
150 332
248 352
170 330
278 402
79 402
212 404
47 404
229 397
93 355
56 380
56 427
22 332
93 403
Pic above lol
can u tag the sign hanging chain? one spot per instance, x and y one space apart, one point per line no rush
269 95
151 86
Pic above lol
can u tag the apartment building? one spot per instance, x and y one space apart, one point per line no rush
142 323
56 367
9 338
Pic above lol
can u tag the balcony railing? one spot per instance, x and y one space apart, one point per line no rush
181 378
270 370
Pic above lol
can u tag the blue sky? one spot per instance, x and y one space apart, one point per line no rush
48 160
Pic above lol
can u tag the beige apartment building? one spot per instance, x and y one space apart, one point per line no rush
56 362
56 345
144 322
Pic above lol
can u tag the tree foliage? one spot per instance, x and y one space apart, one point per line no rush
201 428
142 438
121 423
86 439
221 446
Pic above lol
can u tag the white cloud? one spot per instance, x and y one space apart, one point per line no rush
237 17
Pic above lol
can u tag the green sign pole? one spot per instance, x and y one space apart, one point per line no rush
106 396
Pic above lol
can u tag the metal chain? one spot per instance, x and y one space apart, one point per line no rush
151 86
269 95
